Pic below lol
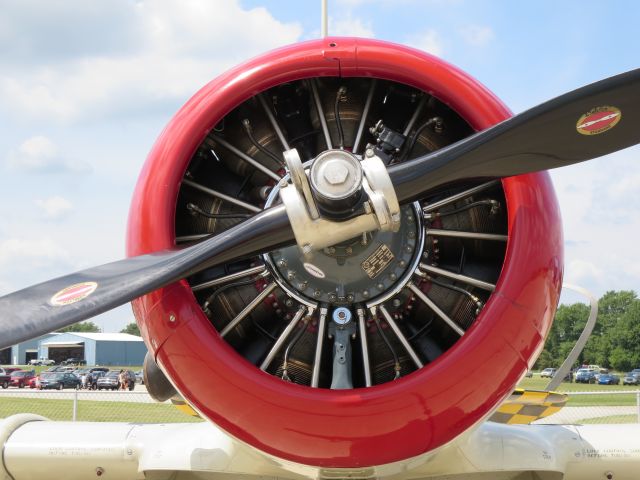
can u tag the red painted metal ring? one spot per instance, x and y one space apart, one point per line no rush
361 427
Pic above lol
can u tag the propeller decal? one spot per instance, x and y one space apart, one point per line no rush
73 293
598 120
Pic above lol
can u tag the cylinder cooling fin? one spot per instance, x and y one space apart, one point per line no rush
368 351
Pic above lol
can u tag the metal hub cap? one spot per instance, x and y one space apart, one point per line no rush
335 175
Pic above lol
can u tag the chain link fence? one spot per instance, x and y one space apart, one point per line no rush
91 405
137 406
599 407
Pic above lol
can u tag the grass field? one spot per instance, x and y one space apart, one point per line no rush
537 383
609 420
95 411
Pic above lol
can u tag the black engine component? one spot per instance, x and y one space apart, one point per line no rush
269 308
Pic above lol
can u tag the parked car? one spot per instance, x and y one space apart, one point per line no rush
9 370
631 379
601 371
54 369
94 377
21 378
40 377
83 375
110 381
529 374
140 376
5 380
608 379
586 375
59 381
73 361
41 361
548 372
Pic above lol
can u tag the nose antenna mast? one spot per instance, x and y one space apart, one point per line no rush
324 21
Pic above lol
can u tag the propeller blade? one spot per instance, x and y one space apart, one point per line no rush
586 123
589 122
54 304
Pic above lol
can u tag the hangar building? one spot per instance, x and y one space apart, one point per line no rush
95 348
22 353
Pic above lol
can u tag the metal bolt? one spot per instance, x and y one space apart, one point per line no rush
99 471
302 285
408 249
172 318
365 293
317 293
333 297
402 263
350 297
331 250
393 276
411 234
335 173
380 286
369 153
291 274
397 302
288 302
283 183
282 263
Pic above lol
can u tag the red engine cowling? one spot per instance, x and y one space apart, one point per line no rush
293 96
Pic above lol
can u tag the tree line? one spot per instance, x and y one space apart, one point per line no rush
614 342
90 327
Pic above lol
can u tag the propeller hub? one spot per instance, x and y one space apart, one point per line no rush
336 181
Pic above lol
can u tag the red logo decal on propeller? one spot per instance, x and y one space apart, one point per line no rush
73 293
598 120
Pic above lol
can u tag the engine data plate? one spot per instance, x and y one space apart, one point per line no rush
378 261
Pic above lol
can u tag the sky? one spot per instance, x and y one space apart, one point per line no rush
86 87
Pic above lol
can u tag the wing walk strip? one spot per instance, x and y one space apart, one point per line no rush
527 406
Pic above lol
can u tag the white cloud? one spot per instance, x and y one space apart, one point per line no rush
601 225
430 41
579 272
55 207
477 35
41 155
180 45
350 27
27 253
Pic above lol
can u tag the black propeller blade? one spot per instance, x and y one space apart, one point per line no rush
587 123
57 303
544 137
